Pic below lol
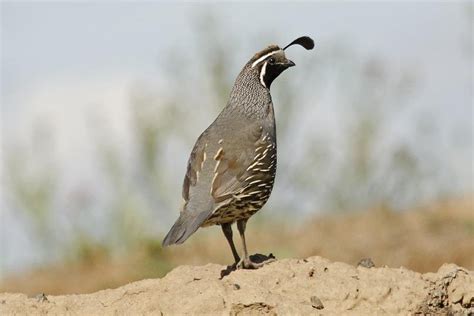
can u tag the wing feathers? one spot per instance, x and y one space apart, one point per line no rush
228 176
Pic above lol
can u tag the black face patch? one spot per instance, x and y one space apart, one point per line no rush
271 71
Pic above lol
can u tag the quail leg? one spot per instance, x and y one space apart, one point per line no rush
246 263
227 229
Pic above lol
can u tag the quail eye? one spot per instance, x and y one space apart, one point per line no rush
271 60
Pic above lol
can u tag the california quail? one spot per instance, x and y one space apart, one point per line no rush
232 166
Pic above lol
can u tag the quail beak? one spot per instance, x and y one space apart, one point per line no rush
289 63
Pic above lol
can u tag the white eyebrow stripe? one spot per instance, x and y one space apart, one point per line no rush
262 74
264 57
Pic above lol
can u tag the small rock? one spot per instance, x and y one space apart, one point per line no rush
316 302
456 296
311 273
236 286
256 308
366 263
41 298
468 302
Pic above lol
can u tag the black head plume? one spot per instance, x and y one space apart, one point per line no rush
305 41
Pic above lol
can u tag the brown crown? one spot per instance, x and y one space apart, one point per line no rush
263 52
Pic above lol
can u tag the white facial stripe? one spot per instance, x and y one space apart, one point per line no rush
264 57
262 74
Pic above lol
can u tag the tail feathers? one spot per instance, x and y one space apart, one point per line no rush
184 227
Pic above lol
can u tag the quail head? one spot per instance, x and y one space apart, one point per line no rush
231 169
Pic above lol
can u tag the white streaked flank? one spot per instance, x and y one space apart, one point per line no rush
204 157
252 165
212 183
218 153
217 166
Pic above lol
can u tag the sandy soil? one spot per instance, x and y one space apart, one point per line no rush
289 287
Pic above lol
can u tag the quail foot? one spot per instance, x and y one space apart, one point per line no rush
231 169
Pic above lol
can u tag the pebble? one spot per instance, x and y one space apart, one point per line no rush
316 302
366 263
41 298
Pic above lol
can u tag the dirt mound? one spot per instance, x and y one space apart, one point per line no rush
290 286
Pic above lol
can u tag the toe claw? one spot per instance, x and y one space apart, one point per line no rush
249 264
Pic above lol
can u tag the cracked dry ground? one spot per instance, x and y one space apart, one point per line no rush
288 287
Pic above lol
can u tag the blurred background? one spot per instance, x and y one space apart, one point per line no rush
101 104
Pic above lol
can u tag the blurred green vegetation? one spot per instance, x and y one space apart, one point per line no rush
352 173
